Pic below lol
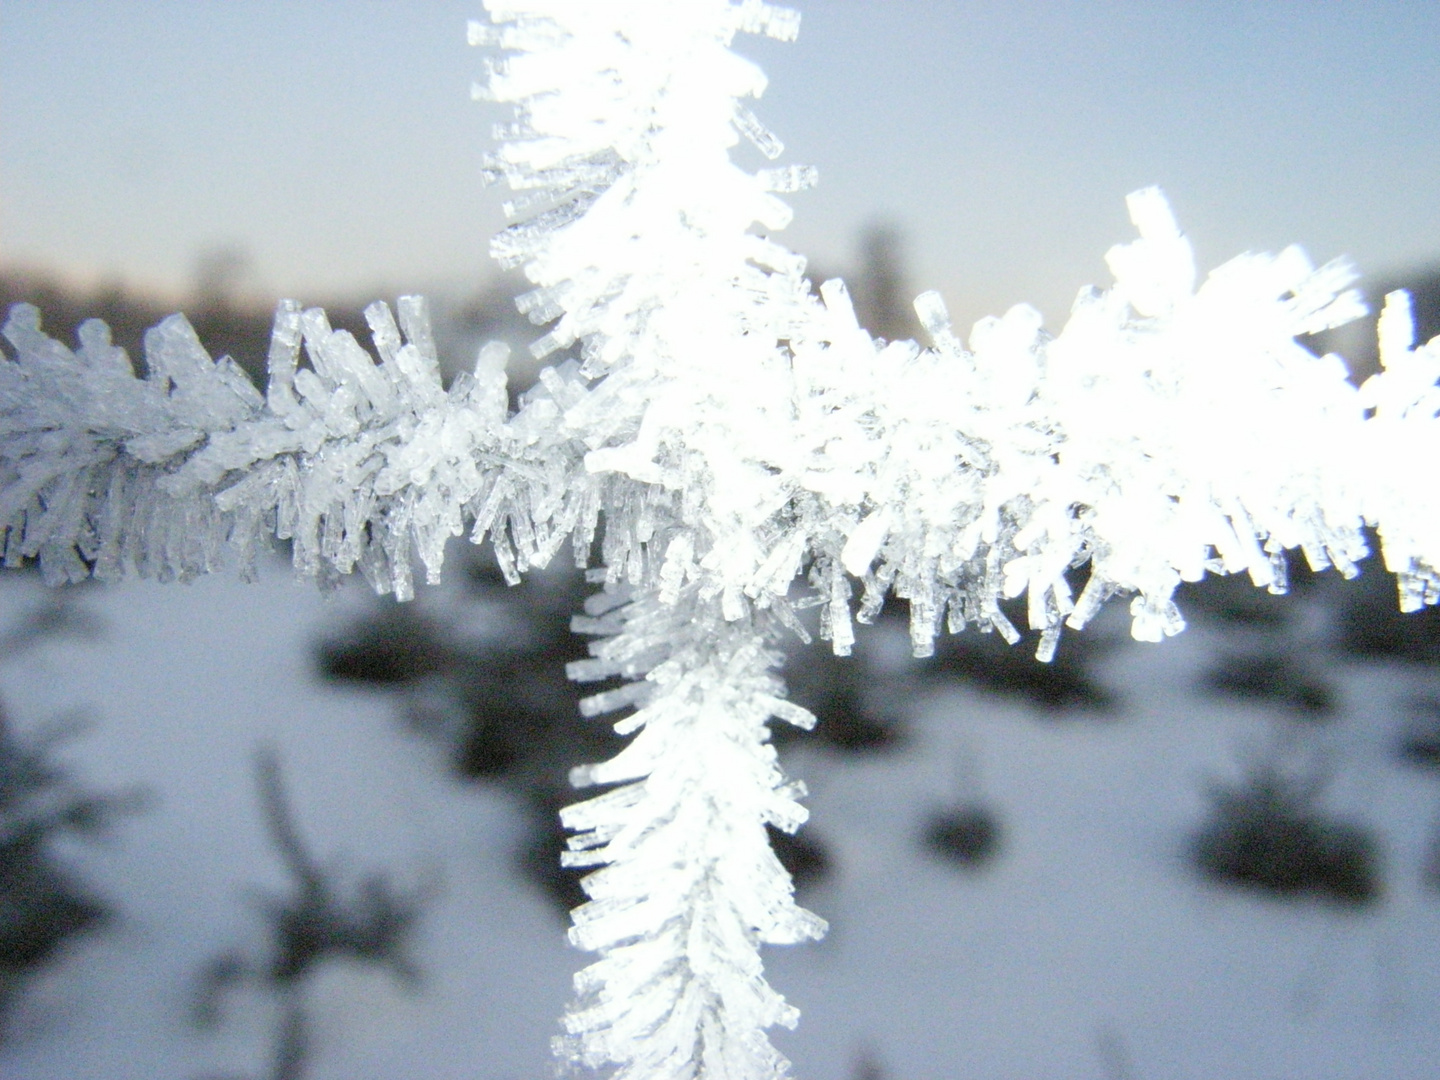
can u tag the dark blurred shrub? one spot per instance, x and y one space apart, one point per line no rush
1278 679
965 836
44 904
1267 834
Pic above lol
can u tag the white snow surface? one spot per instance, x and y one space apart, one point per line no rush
1090 940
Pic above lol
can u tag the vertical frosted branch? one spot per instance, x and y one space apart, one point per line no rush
689 888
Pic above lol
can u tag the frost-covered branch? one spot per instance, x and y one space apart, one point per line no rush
690 887
734 428
1167 431
362 465
735 431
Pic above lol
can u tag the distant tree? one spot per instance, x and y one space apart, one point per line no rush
320 920
1270 831
1269 834
880 288
45 906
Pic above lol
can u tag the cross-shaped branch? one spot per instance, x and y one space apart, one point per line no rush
734 431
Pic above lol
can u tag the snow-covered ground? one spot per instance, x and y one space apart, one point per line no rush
1088 950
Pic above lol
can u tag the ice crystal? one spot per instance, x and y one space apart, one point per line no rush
733 430
690 886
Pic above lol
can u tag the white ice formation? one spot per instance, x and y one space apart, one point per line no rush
725 430
690 887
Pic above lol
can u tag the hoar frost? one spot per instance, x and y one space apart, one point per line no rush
724 431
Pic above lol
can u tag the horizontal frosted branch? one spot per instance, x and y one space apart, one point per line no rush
361 464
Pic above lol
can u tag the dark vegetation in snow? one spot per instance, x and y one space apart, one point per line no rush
1269 834
321 918
967 836
44 904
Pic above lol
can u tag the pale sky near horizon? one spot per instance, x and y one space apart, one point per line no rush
335 142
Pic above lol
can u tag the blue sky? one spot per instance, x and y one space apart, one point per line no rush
336 144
